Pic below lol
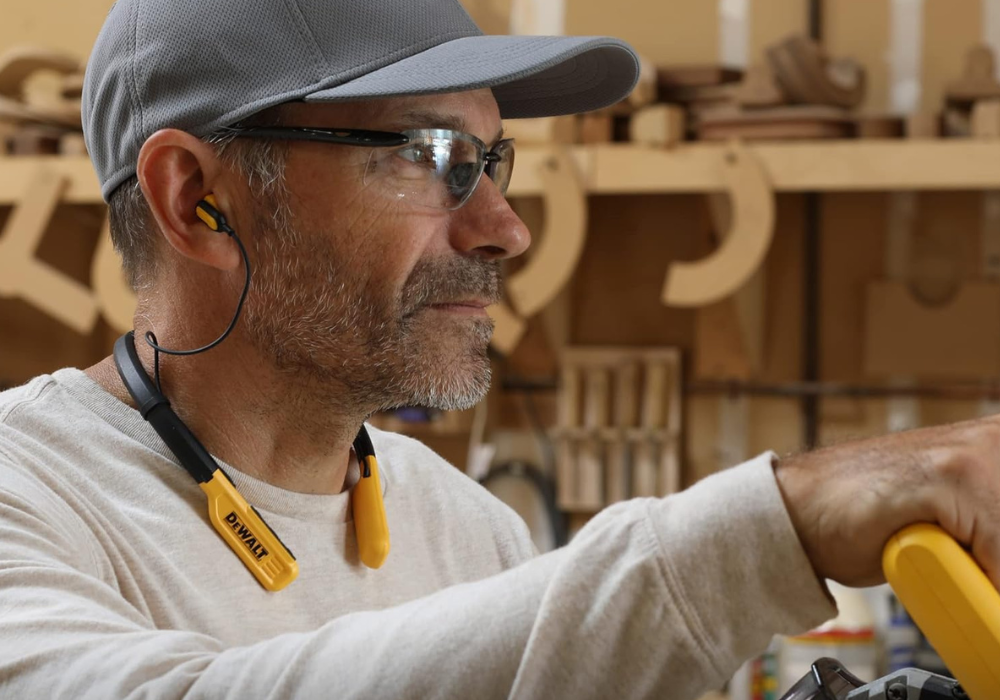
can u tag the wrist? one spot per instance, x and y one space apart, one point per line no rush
792 485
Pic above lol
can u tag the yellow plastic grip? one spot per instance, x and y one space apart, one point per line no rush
246 533
370 524
952 601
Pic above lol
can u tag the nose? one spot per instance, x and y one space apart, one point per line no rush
486 225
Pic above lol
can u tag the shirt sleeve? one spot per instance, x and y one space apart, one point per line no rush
653 598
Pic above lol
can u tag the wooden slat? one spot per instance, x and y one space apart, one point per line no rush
82 185
871 165
803 167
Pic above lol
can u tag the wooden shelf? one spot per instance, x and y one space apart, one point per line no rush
801 166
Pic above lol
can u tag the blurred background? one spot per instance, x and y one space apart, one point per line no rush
787 236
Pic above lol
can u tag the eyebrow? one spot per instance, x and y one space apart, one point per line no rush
426 119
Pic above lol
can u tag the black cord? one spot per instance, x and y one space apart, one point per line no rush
150 337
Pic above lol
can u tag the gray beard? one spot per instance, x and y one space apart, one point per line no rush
326 327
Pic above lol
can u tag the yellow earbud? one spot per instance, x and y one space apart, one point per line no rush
207 211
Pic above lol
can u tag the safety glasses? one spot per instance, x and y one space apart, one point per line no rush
436 168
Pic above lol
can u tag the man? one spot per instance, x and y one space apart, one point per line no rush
371 268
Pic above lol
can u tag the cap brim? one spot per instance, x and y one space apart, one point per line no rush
531 76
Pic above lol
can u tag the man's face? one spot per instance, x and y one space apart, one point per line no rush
374 297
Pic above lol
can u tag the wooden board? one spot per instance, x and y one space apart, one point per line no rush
631 232
544 130
872 126
850 165
923 125
793 122
760 89
669 77
956 340
720 351
595 128
704 95
852 253
773 130
33 342
658 126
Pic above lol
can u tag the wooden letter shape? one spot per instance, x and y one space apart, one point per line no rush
24 276
508 328
560 245
742 252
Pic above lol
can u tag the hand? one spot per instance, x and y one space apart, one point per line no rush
846 501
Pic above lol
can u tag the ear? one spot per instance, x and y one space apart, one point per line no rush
177 170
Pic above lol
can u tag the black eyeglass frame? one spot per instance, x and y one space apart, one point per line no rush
375 139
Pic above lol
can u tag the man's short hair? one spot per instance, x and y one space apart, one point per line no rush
133 231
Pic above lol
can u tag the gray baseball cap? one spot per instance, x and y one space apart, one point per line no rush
198 65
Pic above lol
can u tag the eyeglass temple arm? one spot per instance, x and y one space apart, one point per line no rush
346 137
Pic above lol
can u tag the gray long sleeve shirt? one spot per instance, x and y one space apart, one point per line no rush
114 585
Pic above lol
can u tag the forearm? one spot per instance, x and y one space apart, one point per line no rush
719 572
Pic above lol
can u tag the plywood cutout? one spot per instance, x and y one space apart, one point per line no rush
729 334
552 264
508 328
16 66
23 275
744 248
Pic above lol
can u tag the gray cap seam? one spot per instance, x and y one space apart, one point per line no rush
134 95
322 62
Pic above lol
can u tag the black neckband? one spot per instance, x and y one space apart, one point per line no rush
155 408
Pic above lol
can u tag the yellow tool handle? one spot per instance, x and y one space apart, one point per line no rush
371 526
952 601
246 533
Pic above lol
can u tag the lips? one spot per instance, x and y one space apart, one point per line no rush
457 283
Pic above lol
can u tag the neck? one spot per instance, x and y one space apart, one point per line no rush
269 424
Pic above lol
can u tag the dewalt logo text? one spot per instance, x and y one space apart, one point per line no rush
244 533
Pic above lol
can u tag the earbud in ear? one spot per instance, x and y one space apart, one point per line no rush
213 218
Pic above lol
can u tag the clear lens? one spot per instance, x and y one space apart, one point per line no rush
438 168
505 168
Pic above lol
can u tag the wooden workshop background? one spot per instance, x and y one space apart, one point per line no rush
614 296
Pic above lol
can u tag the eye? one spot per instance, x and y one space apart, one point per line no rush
433 154
420 153
459 176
